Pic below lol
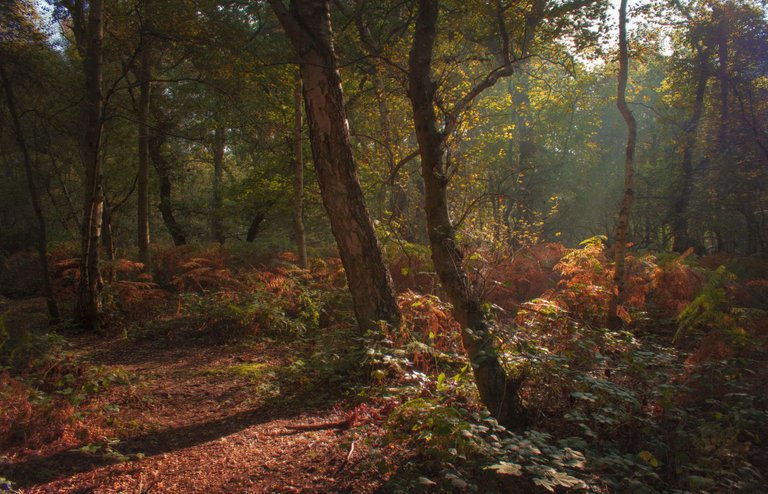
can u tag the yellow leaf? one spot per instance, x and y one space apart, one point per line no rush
648 457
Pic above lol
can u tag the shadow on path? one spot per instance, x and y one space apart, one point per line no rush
127 352
41 469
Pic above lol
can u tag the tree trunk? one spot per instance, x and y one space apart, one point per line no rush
156 139
88 308
498 391
166 190
398 196
298 178
522 149
679 225
308 25
108 240
524 160
72 210
622 223
217 228
496 215
752 227
42 234
143 180
722 70
253 230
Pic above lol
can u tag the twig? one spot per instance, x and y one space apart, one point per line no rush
348 457
338 424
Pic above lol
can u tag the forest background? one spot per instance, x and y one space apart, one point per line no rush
541 209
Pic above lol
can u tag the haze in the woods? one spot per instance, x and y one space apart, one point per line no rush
383 246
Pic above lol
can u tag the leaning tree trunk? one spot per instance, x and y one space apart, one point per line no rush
156 140
622 223
498 391
298 179
42 234
166 190
88 308
308 26
253 229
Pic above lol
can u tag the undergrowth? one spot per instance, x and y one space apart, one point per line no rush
674 401
47 393
637 409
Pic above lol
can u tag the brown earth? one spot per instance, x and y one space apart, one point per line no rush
211 419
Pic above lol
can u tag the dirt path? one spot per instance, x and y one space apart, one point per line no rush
205 419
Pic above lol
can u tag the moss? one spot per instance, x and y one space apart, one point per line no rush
254 371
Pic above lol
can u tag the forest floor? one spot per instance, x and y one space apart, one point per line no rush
223 377
194 418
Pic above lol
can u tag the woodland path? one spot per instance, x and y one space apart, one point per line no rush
188 424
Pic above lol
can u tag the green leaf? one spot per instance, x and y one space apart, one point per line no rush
89 448
696 482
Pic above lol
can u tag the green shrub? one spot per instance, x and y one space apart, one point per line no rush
23 348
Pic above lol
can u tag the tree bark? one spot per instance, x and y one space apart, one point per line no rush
217 228
108 239
156 139
399 201
722 70
253 230
308 26
166 190
498 391
526 152
42 234
145 75
679 225
298 178
622 223
754 239
523 161
72 210
88 308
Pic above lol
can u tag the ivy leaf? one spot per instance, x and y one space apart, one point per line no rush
506 468
697 482
89 448
584 396
423 481
553 478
